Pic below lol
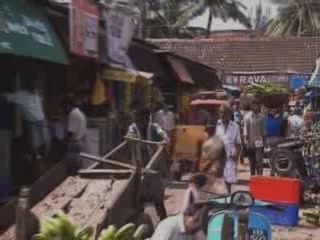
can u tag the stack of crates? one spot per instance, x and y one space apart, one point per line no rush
283 193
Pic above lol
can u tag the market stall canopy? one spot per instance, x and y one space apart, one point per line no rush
125 75
25 31
180 69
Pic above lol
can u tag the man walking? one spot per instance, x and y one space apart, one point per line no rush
254 138
76 134
230 134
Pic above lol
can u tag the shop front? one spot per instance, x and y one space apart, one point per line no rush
28 44
125 87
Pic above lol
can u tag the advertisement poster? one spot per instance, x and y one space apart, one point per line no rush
84 25
121 22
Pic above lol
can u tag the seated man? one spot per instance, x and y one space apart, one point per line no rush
184 226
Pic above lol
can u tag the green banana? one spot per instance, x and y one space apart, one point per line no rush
125 232
140 232
68 229
84 234
109 233
51 228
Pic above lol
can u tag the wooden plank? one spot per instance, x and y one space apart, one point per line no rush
109 154
89 209
57 199
115 163
46 183
105 172
144 141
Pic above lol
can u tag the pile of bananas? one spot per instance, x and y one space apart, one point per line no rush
126 232
60 227
267 89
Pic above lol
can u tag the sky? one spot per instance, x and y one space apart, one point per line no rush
218 24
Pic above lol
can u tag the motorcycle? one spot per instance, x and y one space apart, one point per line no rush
232 220
286 159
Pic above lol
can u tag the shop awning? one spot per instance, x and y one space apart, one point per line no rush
125 75
180 69
25 31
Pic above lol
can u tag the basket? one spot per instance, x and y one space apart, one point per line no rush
273 100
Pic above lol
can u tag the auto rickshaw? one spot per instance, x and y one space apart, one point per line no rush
189 137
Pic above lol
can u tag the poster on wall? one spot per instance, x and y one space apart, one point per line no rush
84 25
121 22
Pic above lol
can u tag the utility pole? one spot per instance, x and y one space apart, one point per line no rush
142 24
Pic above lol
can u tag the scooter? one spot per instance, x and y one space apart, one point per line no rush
232 220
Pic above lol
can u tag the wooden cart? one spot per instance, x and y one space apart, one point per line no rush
104 193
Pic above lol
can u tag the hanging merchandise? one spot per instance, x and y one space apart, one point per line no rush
98 93
121 21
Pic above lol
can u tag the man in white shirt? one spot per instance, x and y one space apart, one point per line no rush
76 135
295 124
185 226
29 103
168 120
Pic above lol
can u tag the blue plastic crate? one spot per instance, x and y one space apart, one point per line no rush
287 216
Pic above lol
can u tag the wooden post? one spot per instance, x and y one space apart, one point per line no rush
22 215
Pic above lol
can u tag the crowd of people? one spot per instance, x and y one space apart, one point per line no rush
238 134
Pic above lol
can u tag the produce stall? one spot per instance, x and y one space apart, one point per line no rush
269 94
106 193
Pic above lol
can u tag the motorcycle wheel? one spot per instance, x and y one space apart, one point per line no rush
282 162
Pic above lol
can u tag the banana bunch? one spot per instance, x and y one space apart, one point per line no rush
126 232
60 227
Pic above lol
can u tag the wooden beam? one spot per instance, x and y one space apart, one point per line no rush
115 163
104 171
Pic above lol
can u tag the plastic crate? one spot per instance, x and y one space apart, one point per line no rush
274 189
287 216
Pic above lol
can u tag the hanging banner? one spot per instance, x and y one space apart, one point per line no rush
121 22
84 24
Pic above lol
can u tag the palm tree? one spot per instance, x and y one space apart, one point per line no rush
296 18
174 15
224 9
259 17
169 19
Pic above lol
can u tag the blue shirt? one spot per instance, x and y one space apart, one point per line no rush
273 126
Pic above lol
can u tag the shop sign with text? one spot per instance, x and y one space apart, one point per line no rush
84 24
245 79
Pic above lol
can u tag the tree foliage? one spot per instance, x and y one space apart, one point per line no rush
296 18
170 18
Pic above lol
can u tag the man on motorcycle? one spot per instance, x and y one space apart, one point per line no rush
185 226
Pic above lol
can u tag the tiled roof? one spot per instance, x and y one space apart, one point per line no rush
249 55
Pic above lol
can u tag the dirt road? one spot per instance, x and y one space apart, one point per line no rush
175 193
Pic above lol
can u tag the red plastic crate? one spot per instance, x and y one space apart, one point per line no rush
274 189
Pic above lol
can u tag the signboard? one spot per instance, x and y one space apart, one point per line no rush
84 24
248 78
25 31
121 21
299 80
